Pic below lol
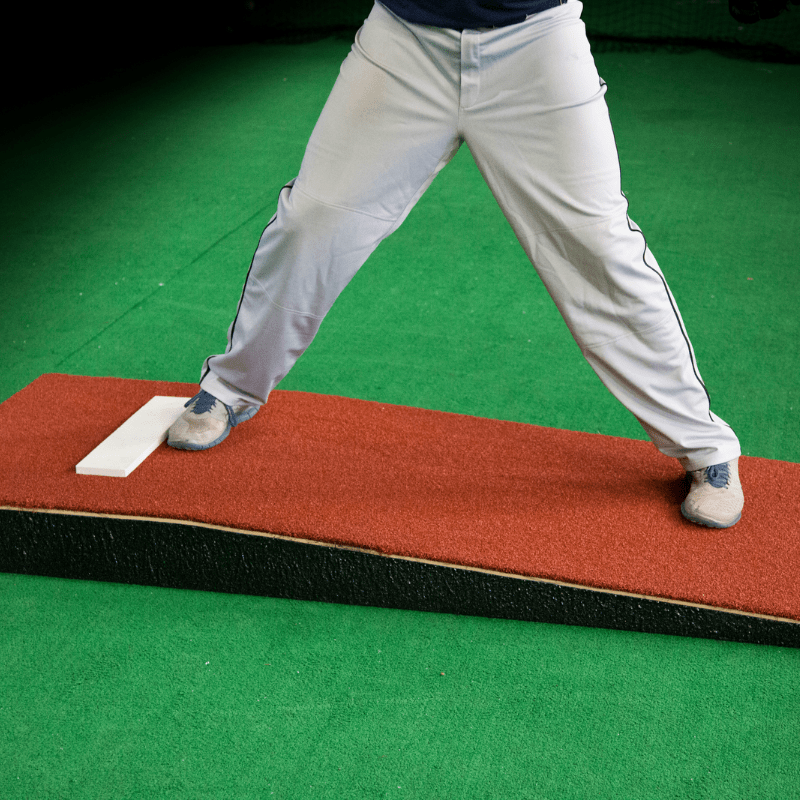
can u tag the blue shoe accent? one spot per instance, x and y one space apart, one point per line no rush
245 415
203 402
717 475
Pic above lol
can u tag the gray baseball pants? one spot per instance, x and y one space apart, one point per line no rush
529 103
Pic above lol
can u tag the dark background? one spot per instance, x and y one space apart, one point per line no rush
50 46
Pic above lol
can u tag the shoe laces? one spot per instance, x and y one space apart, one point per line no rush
203 402
717 475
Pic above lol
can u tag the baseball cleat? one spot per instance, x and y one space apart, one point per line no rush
205 423
715 497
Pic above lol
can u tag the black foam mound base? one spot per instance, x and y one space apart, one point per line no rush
153 552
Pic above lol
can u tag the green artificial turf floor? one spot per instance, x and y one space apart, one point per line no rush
130 210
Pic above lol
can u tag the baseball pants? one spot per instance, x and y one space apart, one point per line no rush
530 105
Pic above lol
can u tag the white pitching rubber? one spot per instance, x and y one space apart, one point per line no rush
130 444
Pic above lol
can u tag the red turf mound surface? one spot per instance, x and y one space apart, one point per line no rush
592 510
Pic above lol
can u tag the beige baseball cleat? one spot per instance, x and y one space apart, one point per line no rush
715 497
206 422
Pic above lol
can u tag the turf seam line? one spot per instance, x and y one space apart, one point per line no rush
142 300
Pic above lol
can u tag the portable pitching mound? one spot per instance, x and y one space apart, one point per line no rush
348 501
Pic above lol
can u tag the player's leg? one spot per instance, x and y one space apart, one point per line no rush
548 153
386 130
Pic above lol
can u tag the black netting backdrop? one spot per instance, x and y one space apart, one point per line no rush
695 22
64 45
610 23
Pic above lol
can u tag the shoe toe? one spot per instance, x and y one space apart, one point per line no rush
717 506
718 513
197 432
